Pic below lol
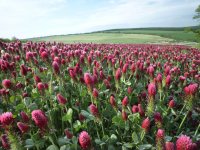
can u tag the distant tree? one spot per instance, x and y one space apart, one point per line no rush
197 17
14 38
4 40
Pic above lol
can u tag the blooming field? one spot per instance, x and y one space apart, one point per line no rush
88 96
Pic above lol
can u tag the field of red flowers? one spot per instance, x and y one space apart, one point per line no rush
99 96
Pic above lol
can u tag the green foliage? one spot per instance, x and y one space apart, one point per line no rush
68 116
15 142
140 35
197 15
4 40
52 147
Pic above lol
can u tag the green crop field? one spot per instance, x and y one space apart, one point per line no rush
176 35
135 35
106 38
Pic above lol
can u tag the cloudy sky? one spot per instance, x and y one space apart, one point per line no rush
33 18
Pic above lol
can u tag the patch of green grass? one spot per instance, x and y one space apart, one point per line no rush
173 35
105 38
176 35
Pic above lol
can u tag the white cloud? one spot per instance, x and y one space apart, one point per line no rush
31 18
26 18
145 13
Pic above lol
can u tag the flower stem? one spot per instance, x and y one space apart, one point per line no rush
183 108
129 77
160 96
33 139
182 122
180 112
142 135
102 128
97 130
195 134
62 114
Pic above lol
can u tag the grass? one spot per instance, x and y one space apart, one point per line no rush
135 35
176 35
106 38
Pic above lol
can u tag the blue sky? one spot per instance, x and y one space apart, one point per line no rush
33 18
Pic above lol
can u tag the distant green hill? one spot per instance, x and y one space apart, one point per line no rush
128 35
177 33
105 38
155 28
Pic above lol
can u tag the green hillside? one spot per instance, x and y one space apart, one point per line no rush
178 34
106 38
132 35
